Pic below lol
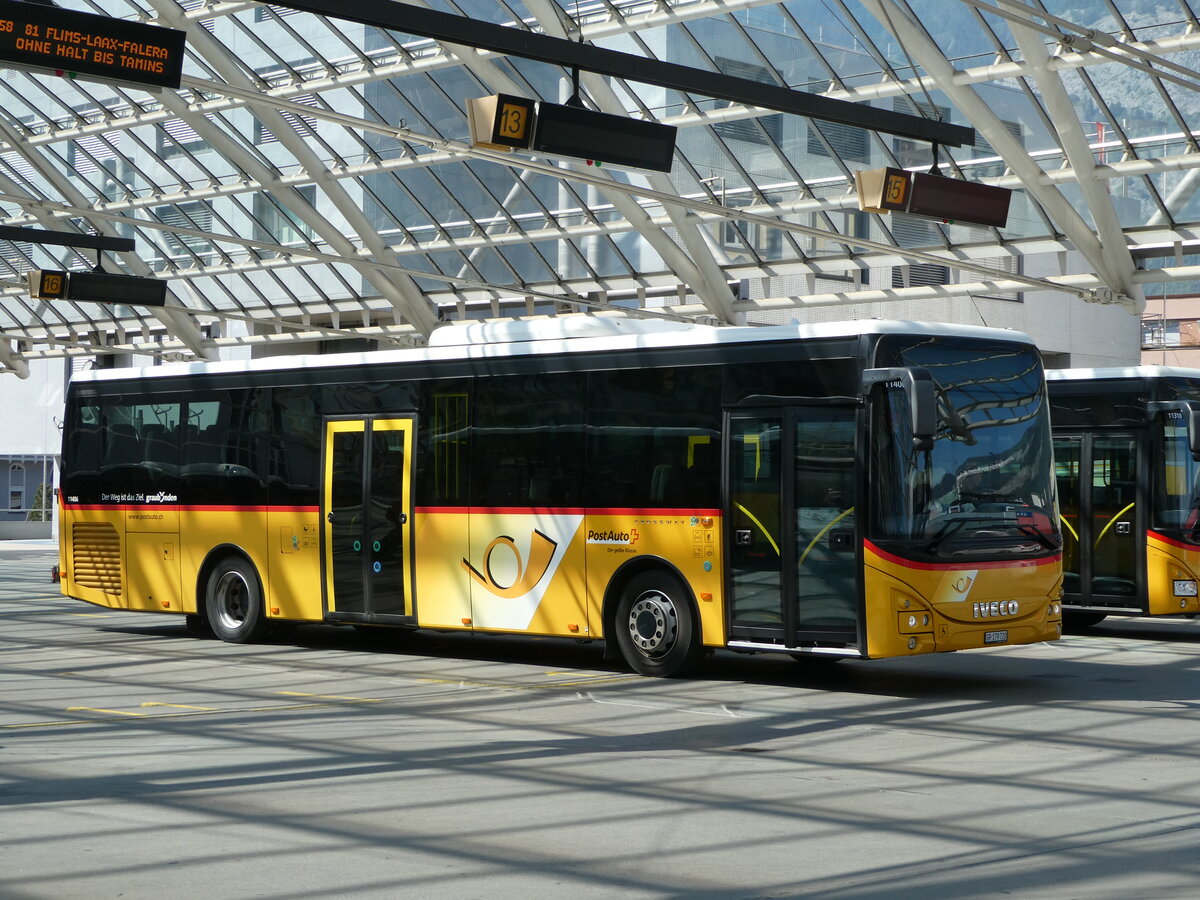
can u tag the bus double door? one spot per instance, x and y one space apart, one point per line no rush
1102 539
793 548
366 507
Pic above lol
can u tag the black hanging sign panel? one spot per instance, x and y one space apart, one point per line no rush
102 287
955 200
81 44
603 137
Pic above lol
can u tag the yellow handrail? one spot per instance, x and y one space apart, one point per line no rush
821 534
1067 525
1104 531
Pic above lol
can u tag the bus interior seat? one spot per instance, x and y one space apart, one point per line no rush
158 445
201 447
85 445
123 446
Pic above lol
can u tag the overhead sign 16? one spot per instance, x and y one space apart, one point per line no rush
47 284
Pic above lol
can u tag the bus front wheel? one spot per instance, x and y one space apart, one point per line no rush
656 629
234 603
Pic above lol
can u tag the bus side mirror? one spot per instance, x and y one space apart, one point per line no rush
921 393
1188 411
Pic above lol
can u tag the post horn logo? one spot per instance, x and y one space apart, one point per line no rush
541 551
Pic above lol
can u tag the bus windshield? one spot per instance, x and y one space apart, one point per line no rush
1177 483
986 488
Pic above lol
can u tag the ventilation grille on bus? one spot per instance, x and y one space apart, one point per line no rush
96 556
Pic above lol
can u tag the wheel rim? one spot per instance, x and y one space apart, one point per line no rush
233 599
653 623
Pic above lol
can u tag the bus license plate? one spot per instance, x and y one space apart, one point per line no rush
995 637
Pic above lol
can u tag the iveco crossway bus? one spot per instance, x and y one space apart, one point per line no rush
870 489
1126 443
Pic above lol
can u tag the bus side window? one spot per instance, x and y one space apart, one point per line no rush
81 463
83 451
122 446
296 447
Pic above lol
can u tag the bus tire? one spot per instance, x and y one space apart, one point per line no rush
233 599
656 628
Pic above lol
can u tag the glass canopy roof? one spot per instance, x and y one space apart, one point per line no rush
314 178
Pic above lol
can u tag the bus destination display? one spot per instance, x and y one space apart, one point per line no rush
82 44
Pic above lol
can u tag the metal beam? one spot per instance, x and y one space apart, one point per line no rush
1114 261
12 361
65 238
441 26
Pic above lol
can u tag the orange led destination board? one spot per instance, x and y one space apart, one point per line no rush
85 45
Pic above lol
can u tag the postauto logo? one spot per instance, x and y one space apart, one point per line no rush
541 552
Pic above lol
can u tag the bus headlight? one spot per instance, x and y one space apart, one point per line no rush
912 621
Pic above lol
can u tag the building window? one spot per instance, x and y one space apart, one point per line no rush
761 130
263 12
18 255
739 237
275 222
16 500
1160 334
915 154
193 214
86 155
910 232
850 144
919 275
177 138
303 125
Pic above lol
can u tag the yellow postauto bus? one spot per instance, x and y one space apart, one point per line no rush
1126 446
868 489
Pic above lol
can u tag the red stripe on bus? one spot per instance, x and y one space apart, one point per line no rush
959 566
137 507
559 511
1171 541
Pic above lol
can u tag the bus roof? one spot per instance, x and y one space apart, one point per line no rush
590 334
1116 372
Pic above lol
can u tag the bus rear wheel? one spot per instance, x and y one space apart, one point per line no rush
234 603
656 629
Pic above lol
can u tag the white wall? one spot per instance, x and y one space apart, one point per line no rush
30 407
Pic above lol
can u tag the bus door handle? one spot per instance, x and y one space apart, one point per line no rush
842 541
329 518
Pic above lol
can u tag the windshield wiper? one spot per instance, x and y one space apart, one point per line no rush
1042 538
954 526
944 533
